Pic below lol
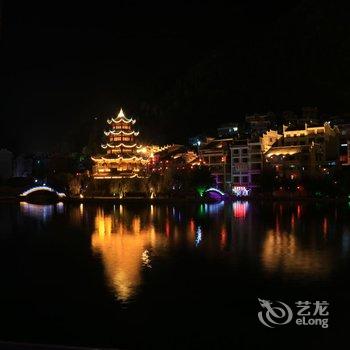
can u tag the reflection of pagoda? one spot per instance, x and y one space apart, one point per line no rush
123 158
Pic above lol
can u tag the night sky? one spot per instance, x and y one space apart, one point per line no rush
180 67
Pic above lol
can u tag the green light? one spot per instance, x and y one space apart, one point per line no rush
201 210
200 190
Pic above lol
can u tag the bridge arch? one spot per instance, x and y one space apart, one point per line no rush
214 193
42 188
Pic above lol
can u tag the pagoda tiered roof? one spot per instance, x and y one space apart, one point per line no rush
114 158
123 156
121 132
121 118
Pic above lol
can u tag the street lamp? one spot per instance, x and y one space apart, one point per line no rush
198 145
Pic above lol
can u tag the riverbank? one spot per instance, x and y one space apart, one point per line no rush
172 200
203 200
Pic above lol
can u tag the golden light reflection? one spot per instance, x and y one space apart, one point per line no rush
325 227
125 247
282 252
223 236
191 231
292 221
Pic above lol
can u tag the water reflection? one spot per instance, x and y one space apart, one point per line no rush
346 242
287 239
214 208
81 209
297 247
125 245
163 260
38 211
240 209
283 252
198 236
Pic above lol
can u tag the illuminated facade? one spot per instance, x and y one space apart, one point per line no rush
302 151
293 161
215 155
175 156
123 157
268 139
326 136
344 154
246 165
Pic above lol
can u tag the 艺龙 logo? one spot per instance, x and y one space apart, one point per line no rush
274 313
306 313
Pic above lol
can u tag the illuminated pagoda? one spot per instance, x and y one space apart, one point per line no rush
123 157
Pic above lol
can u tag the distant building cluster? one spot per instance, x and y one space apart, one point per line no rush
238 158
292 149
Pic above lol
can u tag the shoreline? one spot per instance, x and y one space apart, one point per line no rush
101 199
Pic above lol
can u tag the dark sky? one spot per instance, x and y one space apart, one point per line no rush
170 64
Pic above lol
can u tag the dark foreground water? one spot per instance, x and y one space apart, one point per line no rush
172 277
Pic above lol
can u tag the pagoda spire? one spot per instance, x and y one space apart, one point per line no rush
121 113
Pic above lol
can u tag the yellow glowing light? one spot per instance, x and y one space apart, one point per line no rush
282 251
118 159
118 177
124 250
125 133
119 145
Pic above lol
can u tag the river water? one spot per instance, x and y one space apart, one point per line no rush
135 276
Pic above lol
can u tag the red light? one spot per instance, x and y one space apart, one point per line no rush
240 210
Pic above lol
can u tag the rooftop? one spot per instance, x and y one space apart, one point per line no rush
287 150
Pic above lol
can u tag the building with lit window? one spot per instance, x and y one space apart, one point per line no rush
344 129
347 153
216 155
227 130
246 165
295 161
175 156
326 136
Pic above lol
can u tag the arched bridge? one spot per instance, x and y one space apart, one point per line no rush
214 193
42 189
